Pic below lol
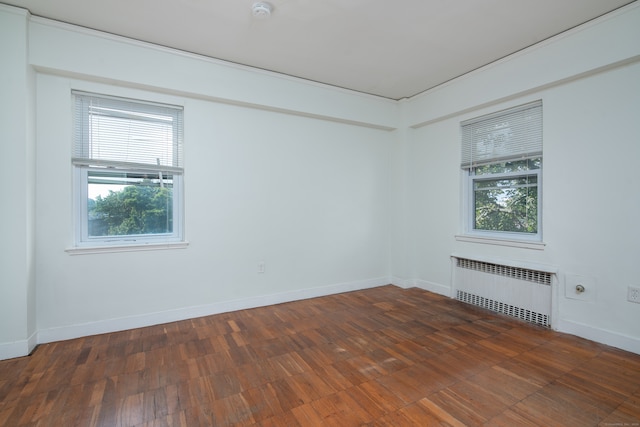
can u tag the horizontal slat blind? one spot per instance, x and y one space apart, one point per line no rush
507 135
123 133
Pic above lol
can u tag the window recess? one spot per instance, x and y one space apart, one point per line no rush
502 163
128 168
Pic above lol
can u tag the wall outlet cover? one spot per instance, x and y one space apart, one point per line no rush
573 281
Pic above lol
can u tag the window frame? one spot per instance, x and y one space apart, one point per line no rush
469 179
83 166
525 146
82 180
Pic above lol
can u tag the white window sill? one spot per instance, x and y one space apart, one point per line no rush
501 242
86 250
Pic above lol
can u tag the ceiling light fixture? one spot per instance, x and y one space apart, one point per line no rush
261 10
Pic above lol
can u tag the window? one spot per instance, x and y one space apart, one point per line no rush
128 171
502 164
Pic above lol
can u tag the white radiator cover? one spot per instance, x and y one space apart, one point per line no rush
524 293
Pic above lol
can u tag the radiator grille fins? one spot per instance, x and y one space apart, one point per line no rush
522 293
499 307
540 277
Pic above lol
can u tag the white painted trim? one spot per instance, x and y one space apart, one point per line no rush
436 288
401 283
150 319
501 242
82 250
11 350
24 347
603 336
32 342
5 8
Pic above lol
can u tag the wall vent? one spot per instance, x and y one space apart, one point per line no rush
499 307
522 293
541 277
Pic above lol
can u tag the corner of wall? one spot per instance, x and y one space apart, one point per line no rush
17 263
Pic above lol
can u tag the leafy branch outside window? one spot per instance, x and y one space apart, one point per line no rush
507 198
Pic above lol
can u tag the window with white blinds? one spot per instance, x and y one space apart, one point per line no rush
501 158
128 162
123 133
507 135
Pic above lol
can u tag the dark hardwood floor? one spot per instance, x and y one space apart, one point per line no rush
379 357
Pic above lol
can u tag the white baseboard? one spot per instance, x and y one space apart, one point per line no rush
14 349
436 288
401 283
24 347
603 336
20 348
32 342
149 319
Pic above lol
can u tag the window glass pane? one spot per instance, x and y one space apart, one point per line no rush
504 183
509 205
511 166
129 203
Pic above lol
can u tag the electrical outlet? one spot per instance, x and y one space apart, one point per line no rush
633 294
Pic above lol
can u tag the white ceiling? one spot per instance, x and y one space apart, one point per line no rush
394 49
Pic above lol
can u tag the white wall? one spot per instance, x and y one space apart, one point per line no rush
306 196
277 170
589 83
333 190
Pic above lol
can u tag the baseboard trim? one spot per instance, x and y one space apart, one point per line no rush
602 336
11 350
14 349
401 283
436 288
150 319
22 348
32 342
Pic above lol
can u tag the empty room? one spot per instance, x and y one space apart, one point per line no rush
295 213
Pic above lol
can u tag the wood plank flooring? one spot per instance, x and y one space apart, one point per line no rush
379 357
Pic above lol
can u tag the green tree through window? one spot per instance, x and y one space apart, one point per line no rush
130 204
144 208
507 201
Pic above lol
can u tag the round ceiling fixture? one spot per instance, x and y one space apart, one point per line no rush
261 10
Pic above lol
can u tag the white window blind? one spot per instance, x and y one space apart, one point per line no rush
127 134
514 134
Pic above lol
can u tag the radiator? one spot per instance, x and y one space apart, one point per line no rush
518 292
